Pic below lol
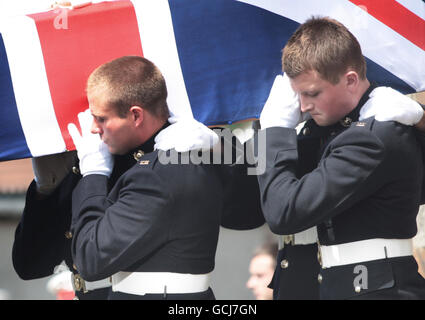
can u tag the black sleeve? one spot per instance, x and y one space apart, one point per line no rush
291 205
40 243
242 207
420 136
111 235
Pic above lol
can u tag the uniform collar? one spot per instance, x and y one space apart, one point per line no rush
356 112
354 115
126 161
346 121
147 147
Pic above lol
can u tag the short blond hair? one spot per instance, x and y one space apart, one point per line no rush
130 81
326 46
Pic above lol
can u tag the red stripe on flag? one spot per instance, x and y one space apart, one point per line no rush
75 44
398 18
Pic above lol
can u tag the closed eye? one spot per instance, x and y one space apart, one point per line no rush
312 94
99 119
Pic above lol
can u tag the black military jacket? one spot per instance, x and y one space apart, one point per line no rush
355 180
43 236
157 218
367 183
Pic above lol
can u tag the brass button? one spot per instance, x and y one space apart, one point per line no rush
284 264
68 235
306 131
319 278
346 122
75 170
357 289
78 283
319 256
138 154
288 239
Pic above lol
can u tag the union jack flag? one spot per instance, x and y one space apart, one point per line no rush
219 57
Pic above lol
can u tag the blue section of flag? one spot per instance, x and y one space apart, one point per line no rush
229 61
382 77
12 140
230 53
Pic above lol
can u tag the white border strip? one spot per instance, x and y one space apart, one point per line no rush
31 87
415 6
159 46
379 42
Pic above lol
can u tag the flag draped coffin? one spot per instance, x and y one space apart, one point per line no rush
219 58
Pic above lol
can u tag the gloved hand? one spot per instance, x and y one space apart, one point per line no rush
185 134
74 4
93 153
282 108
387 104
49 171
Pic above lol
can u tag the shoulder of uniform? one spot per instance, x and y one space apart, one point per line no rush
147 160
375 125
365 124
362 124
362 128
388 132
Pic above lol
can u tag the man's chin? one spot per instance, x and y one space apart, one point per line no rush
318 121
117 152
323 122
113 150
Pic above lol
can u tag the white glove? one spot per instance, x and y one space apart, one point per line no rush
282 108
74 4
387 104
93 153
185 134
49 171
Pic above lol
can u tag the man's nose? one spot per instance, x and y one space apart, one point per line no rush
249 283
95 128
306 105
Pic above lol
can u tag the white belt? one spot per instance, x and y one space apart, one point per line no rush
308 236
362 251
79 284
141 283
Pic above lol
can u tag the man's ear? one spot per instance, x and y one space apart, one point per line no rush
137 115
352 80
